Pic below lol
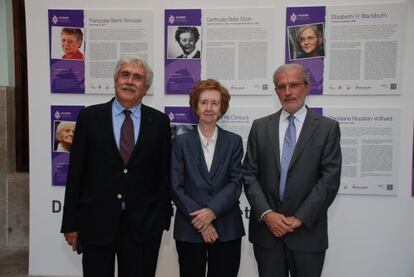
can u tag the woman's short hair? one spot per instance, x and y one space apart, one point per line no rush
181 30
209 84
314 28
62 126
73 31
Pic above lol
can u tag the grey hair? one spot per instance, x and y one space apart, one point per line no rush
62 126
292 66
138 61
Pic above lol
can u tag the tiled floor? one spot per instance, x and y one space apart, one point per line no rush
14 263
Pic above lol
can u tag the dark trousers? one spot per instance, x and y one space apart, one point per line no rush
135 259
279 261
222 258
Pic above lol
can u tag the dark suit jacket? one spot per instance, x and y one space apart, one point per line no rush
194 187
98 180
312 181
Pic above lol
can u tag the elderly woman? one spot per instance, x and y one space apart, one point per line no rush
64 136
71 41
206 186
310 42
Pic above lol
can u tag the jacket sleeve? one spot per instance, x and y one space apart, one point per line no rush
74 181
325 189
252 186
182 200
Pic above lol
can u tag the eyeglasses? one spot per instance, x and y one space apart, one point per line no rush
291 86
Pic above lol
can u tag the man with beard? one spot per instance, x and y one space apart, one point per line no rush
117 200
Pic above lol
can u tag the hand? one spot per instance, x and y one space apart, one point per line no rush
72 239
277 223
209 234
293 221
202 218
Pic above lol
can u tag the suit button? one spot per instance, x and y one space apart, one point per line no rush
125 171
119 196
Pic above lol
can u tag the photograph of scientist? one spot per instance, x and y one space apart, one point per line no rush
187 38
71 41
64 136
306 41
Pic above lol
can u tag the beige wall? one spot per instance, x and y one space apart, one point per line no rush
14 187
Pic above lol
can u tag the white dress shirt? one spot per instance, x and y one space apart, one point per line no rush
300 116
208 146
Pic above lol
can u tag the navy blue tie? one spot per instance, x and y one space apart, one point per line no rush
289 143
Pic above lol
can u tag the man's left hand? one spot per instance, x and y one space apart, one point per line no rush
293 221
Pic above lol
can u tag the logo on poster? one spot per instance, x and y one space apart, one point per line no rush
171 19
300 17
55 19
171 116
293 18
57 114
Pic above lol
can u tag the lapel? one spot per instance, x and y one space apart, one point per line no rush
194 147
219 151
146 124
273 133
308 128
105 119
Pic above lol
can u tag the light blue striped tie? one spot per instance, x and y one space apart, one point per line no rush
287 152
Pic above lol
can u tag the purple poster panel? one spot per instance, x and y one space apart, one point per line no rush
305 43
66 49
63 124
182 120
182 50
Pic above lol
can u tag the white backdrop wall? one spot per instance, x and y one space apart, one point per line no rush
369 235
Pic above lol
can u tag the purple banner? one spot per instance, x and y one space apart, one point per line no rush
63 122
182 50
66 49
305 42
182 120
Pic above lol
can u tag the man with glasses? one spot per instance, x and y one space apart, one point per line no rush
292 172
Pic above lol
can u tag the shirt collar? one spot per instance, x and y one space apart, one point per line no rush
299 115
118 108
206 141
191 55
